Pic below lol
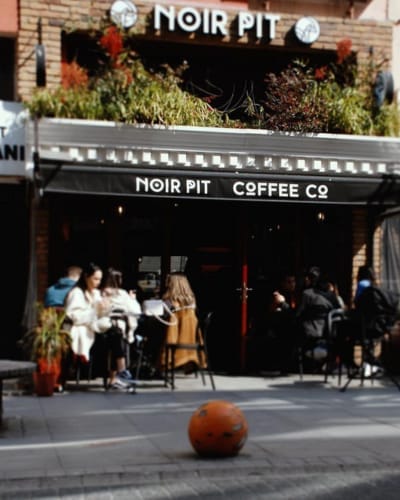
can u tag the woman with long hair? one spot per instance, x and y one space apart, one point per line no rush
119 326
181 299
84 305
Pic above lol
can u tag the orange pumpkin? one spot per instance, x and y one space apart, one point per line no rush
218 429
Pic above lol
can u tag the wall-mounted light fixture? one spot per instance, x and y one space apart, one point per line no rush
40 58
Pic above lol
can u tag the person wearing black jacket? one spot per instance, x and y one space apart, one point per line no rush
315 303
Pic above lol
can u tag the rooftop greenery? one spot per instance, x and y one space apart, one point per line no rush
336 98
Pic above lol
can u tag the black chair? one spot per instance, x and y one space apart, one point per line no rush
146 349
368 325
101 362
200 346
312 348
95 366
334 343
143 364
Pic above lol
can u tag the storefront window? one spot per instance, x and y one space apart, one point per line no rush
149 273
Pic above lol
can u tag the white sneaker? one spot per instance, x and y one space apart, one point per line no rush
128 388
119 385
367 370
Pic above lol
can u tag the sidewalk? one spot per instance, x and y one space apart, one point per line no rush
89 436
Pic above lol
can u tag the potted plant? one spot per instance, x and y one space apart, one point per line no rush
46 344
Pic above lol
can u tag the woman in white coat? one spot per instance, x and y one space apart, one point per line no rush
84 305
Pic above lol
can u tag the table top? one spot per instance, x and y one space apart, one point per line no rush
12 368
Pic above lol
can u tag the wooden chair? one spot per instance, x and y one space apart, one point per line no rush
200 346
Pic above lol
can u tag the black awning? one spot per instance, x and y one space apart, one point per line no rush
155 183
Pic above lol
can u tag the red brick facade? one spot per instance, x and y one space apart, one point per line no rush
72 15
59 15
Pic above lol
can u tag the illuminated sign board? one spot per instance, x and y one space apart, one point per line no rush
205 21
214 21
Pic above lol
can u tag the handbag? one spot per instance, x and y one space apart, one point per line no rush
158 308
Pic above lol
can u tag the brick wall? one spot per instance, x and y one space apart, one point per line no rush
57 15
360 231
42 249
377 251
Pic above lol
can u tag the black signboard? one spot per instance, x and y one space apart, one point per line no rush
224 186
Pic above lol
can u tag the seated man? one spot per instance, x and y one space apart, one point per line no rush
316 302
55 294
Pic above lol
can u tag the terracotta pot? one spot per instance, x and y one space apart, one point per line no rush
44 383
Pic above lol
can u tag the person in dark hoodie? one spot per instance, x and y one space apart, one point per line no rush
55 294
316 301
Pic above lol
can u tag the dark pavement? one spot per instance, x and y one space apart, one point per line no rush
307 440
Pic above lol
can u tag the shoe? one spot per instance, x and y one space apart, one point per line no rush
317 354
190 367
320 353
119 385
371 370
125 377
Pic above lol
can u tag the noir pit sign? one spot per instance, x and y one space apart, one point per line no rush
214 21
207 21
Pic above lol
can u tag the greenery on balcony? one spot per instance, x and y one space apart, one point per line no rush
336 98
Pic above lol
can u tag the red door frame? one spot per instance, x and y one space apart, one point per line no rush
244 289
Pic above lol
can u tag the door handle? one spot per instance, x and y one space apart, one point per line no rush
243 290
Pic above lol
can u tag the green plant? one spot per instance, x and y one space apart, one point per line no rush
123 90
48 341
335 98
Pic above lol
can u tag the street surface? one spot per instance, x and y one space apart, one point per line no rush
307 440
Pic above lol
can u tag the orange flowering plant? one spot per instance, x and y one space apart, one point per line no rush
49 340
